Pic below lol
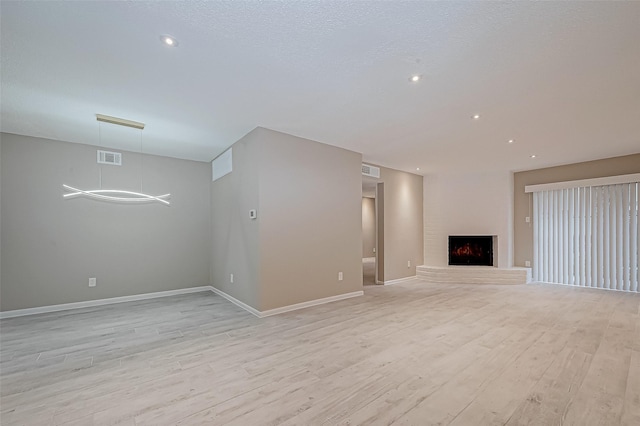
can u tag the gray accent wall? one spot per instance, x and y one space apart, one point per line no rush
308 227
523 203
51 246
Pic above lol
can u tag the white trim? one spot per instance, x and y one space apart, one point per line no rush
609 180
237 302
310 303
145 296
288 308
398 281
100 302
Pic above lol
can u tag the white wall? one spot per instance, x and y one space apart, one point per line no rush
467 204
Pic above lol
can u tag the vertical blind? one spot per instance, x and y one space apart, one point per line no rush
587 236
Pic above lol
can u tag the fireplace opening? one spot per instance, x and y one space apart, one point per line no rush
471 250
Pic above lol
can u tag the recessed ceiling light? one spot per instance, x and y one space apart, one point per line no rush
511 140
415 78
533 156
476 116
168 40
418 168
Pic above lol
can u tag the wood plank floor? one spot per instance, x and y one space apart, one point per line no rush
409 354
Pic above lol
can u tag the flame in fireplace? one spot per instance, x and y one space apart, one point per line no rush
471 250
467 249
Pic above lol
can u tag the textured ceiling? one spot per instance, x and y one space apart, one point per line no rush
561 78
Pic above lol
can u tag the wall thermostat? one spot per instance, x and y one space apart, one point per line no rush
253 214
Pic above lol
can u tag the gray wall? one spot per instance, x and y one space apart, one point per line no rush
235 237
51 246
403 224
523 204
308 227
0 219
368 226
310 220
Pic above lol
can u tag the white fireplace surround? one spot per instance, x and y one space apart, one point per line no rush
475 274
447 201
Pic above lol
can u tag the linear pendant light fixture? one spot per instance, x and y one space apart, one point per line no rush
116 195
119 121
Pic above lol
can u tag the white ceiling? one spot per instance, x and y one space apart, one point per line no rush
561 78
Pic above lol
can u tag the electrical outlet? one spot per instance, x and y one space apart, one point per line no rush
527 263
231 278
408 264
527 219
339 276
374 249
92 282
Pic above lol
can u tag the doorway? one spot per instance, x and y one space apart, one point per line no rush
368 240
371 231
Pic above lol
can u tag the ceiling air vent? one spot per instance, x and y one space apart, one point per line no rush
372 171
107 157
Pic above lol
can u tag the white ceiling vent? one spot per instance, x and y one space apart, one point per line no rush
372 171
107 157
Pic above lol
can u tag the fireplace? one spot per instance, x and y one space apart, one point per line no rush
471 250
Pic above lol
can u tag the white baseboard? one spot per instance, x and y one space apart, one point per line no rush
136 297
236 302
288 308
398 281
100 302
310 303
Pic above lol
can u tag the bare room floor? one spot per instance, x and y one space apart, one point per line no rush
413 353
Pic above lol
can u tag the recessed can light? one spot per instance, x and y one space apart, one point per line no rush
476 116
511 140
415 78
418 168
533 156
168 40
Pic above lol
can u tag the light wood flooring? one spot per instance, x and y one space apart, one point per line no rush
410 354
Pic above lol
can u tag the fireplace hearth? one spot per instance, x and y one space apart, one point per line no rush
476 250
